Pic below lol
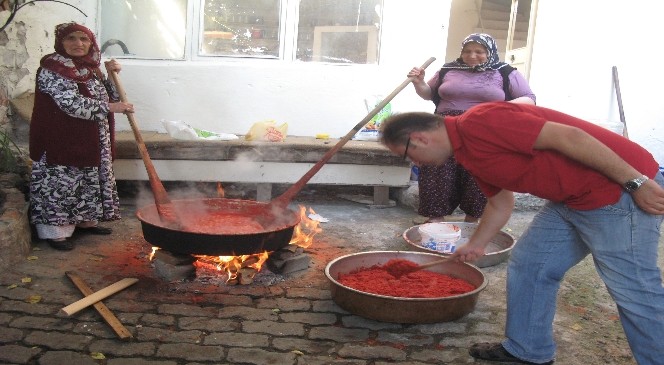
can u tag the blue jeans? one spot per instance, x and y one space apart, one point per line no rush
623 241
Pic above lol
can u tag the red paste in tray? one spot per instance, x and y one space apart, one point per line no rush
418 284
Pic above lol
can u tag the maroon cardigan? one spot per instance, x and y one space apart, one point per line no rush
66 140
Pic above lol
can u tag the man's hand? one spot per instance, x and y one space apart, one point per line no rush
650 197
496 214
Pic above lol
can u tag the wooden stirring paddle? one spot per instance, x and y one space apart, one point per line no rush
399 268
164 205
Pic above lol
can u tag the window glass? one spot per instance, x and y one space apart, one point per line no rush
335 31
240 28
339 31
143 28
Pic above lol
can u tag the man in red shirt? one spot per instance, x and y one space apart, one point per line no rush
605 197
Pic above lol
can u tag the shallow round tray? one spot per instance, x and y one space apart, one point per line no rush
404 310
497 251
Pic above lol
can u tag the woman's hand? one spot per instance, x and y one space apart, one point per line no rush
112 66
416 74
121 107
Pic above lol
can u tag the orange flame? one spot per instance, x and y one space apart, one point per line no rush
304 233
303 236
220 190
232 265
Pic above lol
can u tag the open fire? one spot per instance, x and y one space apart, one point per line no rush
242 269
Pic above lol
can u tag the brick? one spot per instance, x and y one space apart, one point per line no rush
274 328
289 264
174 272
138 361
208 324
372 352
17 354
237 340
191 352
258 356
304 345
338 334
284 304
10 335
57 340
96 329
168 335
356 321
42 323
247 313
187 310
309 318
327 306
66 357
309 293
118 348
157 320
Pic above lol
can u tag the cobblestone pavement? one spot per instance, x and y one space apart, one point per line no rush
275 320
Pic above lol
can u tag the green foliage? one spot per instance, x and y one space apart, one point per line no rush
10 154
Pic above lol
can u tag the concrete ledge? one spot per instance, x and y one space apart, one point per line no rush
365 163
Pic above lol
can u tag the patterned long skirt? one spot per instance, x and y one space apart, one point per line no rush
63 196
444 188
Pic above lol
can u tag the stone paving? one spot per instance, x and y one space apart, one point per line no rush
275 320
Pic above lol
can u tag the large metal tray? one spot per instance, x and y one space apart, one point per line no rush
498 250
404 310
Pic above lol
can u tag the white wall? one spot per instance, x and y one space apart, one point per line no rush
230 95
30 36
576 45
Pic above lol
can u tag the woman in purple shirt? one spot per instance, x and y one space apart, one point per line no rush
473 78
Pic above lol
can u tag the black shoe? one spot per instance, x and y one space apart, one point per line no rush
95 230
66 245
496 352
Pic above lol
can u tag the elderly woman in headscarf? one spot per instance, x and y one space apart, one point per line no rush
72 132
477 76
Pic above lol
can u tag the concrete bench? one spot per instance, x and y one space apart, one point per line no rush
365 163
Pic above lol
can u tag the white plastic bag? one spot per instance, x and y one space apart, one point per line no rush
181 130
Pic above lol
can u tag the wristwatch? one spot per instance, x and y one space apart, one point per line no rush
634 184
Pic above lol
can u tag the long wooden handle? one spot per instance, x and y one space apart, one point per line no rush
160 195
284 199
433 263
165 208
101 308
616 83
97 296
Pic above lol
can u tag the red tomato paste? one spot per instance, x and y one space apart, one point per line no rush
224 223
377 279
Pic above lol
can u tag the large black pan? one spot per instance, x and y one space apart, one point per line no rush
277 221
277 226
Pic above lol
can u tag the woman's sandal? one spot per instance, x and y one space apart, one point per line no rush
496 352
65 245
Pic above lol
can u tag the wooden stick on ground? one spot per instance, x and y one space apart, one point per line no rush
97 296
106 313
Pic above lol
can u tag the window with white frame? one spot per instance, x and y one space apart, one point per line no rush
335 31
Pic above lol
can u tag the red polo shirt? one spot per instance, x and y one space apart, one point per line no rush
494 142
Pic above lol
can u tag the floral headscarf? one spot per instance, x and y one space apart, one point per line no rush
78 69
492 62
